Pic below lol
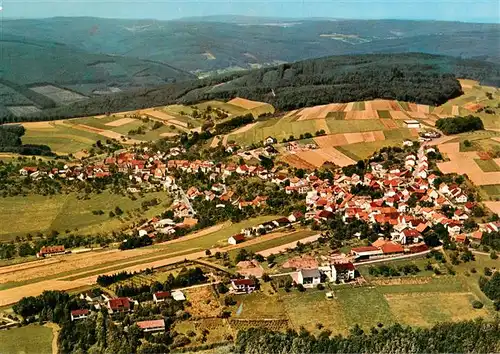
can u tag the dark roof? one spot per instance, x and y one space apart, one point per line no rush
239 237
344 266
162 294
248 282
119 303
310 273
80 312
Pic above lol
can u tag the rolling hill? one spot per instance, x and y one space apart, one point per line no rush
413 77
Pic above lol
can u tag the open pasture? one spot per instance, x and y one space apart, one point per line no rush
62 138
318 157
32 339
427 309
22 215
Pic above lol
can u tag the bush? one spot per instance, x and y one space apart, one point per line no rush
301 288
320 287
477 304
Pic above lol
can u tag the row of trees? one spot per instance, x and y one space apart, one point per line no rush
463 337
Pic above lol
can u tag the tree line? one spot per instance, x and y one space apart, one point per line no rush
477 336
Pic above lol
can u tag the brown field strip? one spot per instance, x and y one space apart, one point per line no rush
294 160
244 103
398 115
120 122
389 123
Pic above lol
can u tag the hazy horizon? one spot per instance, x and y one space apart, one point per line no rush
483 11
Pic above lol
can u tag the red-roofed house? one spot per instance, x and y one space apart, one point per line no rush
160 296
408 236
48 251
392 248
243 285
120 304
151 325
235 239
79 314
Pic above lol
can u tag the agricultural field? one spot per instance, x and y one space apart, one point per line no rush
466 162
488 165
26 340
60 137
36 213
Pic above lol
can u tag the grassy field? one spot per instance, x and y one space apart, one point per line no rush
328 313
490 192
422 300
360 151
488 165
295 236
62 139
353 126
21 215
31 339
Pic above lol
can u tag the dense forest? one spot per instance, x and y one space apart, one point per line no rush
10 141
458 125
462 337
413 77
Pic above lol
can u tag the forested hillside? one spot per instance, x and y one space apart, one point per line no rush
461 337
420 78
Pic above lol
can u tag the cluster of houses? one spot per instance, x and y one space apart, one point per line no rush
266 227
125 305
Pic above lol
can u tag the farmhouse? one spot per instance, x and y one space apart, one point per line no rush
48 251
309 277
160 296
151 325
79 314
243 285
412 124
120 304
235 239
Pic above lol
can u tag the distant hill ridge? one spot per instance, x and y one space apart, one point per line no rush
412 77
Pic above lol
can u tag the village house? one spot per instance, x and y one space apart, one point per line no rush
151 325
120 304
161 296
235 239
79 314
308 277
243 285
